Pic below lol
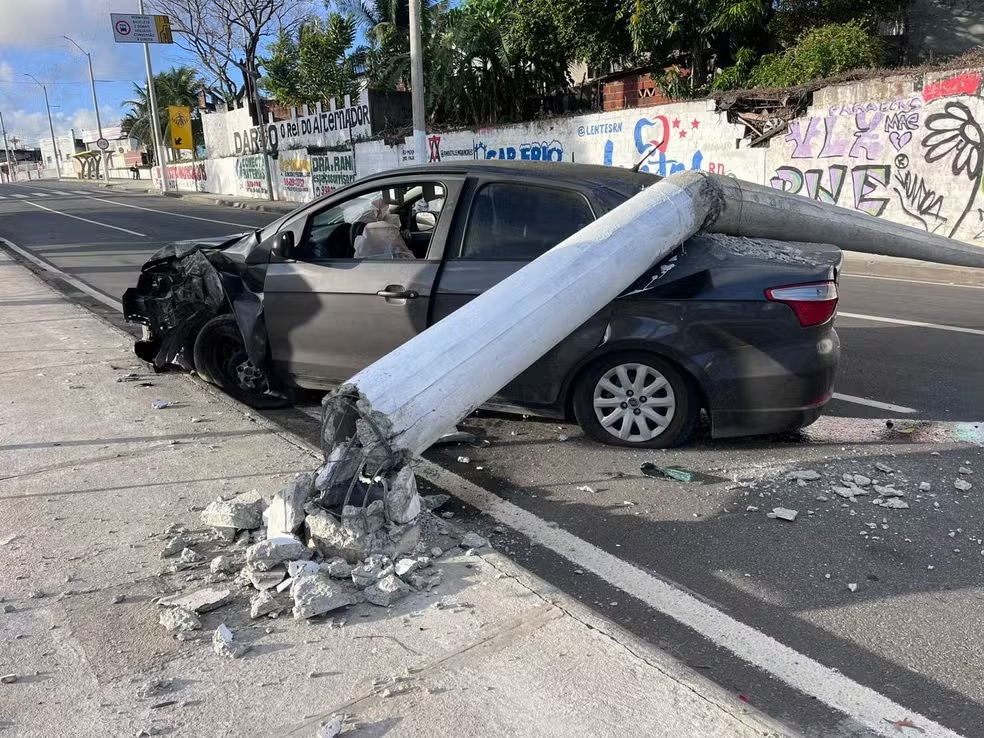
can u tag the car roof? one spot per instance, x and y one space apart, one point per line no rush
615 178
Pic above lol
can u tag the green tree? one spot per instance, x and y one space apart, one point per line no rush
316 65
177 86
666 28
822 52
792 18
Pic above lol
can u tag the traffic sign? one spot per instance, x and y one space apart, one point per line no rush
102 143
133 28
179 119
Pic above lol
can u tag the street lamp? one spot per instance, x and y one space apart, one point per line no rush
95 105
51 128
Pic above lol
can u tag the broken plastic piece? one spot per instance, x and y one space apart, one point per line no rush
162 404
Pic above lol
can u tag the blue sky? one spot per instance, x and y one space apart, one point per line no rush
31 43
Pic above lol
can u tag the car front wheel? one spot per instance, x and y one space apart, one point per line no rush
221 359
636 399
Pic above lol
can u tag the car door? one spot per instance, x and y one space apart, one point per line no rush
360 280
507 224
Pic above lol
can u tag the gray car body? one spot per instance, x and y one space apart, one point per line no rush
755 367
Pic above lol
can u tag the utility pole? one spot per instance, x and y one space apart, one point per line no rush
95 106
417 85
51 127
11 163
255 77
155 122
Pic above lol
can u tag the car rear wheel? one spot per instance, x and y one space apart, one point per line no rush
636 399
221 359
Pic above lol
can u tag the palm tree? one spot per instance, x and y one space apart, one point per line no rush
177 86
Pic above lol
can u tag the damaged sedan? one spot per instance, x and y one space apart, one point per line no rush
736 327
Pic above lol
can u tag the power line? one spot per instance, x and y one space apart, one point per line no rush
84 82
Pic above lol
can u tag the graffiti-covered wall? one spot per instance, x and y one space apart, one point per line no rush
910 149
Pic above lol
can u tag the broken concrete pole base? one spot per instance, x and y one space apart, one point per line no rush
401 498
235 514
316 594
286 512
273 551
360 532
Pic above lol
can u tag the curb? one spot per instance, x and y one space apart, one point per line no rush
893 267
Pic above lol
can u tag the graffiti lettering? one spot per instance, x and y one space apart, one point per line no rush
919 201
599 129
553 151
898 104
865 179
194 172
900 127
962 84
866 137
644 139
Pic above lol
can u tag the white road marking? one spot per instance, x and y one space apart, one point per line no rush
874 403
60 192
86 220
77 284
41 194
914 281
176 215
808 676
81 192
16 194
914 323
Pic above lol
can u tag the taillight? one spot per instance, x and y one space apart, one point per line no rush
814 304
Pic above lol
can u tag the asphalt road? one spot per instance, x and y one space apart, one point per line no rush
910 630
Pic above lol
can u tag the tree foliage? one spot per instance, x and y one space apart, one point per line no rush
792 18
822 52
662 28
315 64
177 86
227 36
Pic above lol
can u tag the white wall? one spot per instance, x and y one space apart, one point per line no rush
910 149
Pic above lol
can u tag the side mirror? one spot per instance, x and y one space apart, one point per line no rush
283 245
425 221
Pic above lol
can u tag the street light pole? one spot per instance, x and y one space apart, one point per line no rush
11 164
417 85
51 127
155 122
95 105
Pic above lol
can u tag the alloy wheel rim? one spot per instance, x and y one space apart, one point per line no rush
634 402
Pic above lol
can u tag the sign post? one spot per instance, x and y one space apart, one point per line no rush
140 28
179 119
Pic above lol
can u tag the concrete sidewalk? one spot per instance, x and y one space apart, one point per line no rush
91 477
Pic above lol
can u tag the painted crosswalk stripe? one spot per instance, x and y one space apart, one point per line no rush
81 192
60 192
20 196
41 194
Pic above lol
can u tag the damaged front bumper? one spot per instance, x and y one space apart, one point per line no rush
183 286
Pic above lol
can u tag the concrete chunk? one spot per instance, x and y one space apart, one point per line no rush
330 729
263 603
235 513
331 538
432 502
180 619
277 550
888 491
405 567
472 540
263 580
884 468
784 513
315 594
401 500
962 484
925 486
286 512
225 564
806 475
204 600
225 645
338 569
298 568
387 591
861 480
895 503
174 546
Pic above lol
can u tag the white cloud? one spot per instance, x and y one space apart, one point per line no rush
40 24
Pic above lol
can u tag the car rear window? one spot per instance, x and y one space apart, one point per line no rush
516 222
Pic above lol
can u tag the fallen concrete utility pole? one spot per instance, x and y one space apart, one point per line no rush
399 406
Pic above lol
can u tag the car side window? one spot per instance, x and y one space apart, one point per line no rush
389 223
518 222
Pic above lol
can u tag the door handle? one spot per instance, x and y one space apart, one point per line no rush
398 292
